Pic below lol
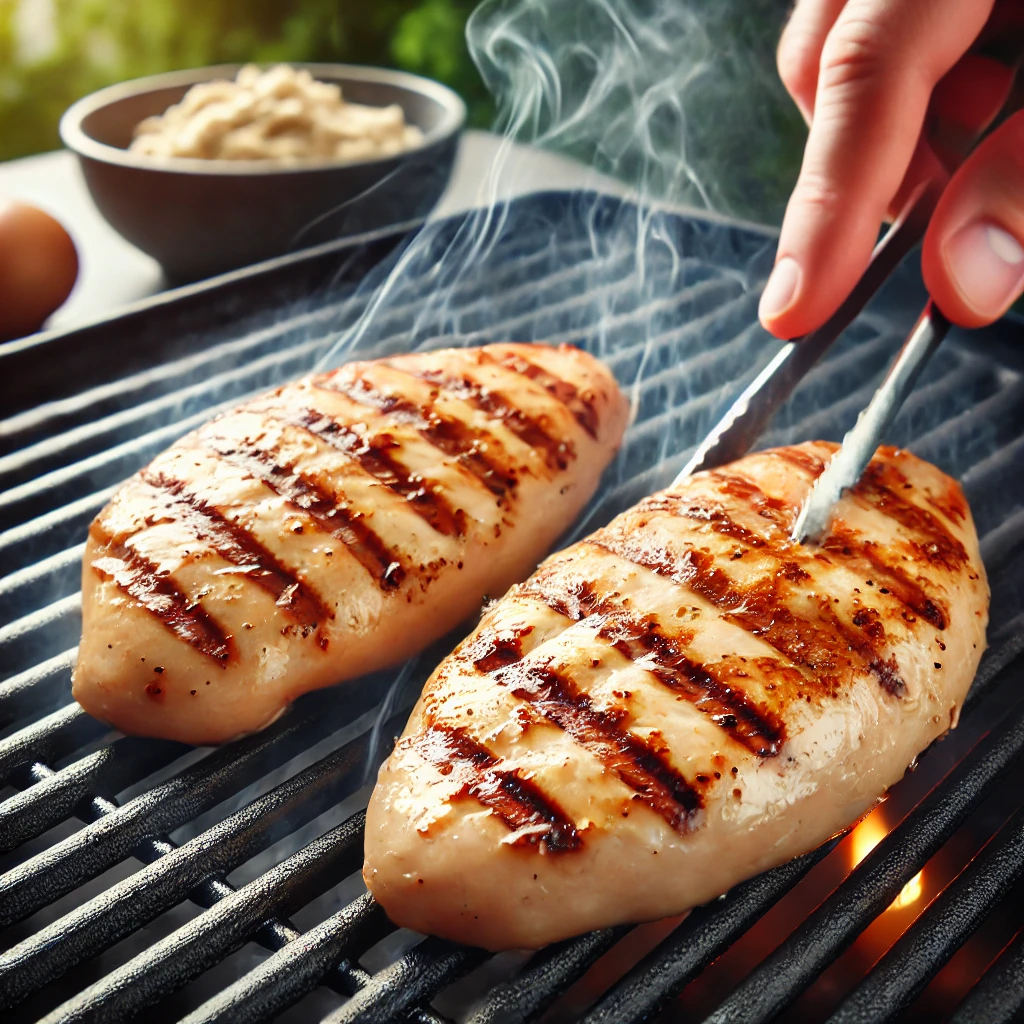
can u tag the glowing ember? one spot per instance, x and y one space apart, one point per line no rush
866 836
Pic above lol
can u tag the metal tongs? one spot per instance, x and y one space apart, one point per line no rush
735 434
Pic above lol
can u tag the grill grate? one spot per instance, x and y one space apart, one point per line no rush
108 840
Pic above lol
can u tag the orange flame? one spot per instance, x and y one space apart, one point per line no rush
866 836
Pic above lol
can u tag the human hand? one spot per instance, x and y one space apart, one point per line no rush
889 88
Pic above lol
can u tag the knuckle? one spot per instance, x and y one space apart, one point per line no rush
797 61
819 194
854 53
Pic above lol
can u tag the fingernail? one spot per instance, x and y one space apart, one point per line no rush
987 265
781 288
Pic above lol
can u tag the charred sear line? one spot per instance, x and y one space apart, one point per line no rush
780 513
373 454
306 494
496 648
645 770
717 519
645 642
880 486
580 404
519 803
237 545
532 431
826 647
159 594
886 575
471 447
811 464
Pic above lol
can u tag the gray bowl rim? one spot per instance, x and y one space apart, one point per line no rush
78 141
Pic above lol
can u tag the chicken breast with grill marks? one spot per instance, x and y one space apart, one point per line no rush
680 701
333 527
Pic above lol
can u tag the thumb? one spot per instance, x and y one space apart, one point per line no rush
973 257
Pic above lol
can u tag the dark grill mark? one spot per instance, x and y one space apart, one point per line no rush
824 647
374 455
865 643
906 590
307 495
780 512
880 485
642 640
640 766
580 404
238 546
446 433
557 453
802 459
157 592
952 505
495 649
517 802
716 517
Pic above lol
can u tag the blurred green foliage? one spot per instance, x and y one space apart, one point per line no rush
743 137
54 51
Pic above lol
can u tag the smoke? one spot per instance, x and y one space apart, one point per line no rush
603 81
674 103
678 99
666 104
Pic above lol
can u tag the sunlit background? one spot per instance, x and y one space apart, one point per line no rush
54 51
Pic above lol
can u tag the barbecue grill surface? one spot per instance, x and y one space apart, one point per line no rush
112 847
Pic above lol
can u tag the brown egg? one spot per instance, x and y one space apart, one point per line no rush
38 267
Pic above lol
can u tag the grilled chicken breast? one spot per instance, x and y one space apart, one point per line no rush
333 527
680 701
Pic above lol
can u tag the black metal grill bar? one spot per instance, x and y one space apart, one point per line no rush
55 627
877 880
660 318
59 487
545 977
174 873
42 583
705 934
973 433
998 997
64 416
225 927
557 322
415 978
48 534
475 319
49 739
345 976
296 969
1003 539
948 921
678 343
36 689
48 797
959 388
62 867
103 433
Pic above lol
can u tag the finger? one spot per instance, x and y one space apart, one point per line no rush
964 102
799 52
873 91
973 257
